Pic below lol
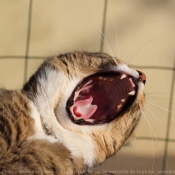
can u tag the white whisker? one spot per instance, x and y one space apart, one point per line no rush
154 116
155 136
150 128
116 35
133 39
160 107
128 155
153 93
141 48
104 42
104 38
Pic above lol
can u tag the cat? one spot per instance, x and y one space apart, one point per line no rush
77 110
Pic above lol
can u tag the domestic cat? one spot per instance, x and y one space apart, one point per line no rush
77 110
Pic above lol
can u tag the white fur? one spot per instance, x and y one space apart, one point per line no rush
39 132
125 69
140 87
80 146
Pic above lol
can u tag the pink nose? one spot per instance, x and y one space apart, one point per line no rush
142 76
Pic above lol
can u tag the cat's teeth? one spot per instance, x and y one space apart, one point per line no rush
123 100
100 78
104 79
90 120
119 106
123 76
132 92
131 81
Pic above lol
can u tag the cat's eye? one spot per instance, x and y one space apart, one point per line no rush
100 98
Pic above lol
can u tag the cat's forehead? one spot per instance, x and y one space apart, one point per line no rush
84 63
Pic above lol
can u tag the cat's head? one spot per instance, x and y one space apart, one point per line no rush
88 96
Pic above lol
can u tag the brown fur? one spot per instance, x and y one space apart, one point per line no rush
18 155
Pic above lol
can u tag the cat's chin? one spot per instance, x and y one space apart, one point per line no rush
102 97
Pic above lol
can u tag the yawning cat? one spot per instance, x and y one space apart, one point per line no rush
77 110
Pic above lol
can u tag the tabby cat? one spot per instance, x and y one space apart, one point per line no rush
77 110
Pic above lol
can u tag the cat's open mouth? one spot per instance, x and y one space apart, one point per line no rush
101 97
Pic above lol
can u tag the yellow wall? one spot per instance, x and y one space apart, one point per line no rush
141 32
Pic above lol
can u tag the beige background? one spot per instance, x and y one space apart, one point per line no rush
141 32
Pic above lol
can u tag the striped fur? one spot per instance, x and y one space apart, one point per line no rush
36 134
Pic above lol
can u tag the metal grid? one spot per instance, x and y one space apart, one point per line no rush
26 57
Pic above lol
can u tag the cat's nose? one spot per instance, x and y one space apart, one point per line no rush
142 76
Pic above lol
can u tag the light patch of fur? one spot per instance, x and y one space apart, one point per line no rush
55 83
39 132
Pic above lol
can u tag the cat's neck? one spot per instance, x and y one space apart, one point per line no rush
41 90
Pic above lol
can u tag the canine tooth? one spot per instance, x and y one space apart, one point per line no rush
100 78
123 76
132 92
123 100
119 106
131 81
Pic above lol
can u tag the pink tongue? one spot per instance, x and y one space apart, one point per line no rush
84 108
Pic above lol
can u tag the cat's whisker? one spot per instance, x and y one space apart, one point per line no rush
154 116
118 161
107 44
140 47
160 96
155 137
159 107
116 36
152 134
156 93
128 155
121 56
130 44
103 38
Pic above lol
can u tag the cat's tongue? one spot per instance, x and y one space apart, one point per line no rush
84 108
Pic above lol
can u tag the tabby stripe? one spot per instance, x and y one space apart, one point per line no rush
6 133
64 62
